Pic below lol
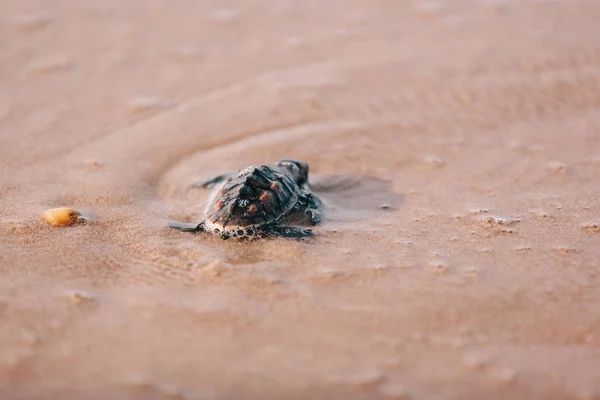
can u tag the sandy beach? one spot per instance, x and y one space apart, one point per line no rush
455 144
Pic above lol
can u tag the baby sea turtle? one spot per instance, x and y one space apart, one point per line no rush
260 201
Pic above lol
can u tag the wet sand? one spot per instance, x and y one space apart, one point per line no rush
457 148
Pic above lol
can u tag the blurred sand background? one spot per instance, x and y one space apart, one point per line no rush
456 144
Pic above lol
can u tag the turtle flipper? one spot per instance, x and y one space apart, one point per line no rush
307 211
289 232
314 208
210 182
186 227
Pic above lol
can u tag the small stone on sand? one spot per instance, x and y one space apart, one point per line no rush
144 103
62 216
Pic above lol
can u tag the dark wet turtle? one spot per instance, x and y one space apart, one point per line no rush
260 201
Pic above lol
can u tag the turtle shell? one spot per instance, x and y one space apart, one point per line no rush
257 195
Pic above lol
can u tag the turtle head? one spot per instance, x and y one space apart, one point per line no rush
298 170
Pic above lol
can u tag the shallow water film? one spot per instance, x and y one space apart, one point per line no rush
455 146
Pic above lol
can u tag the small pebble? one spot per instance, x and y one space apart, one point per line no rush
379 267
438 267
31 338
29 22
523 248
538 212
433 161
213 270
586 394
94 164
556 166
476 361
80 297
476 211
226 15
535 149
428 9
515 146
341 32
57 63
363 379
393 391
294 41
591 226
63 216
187 52
506 375
470 271
144 103
498 5
492 221
557 205
562 249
